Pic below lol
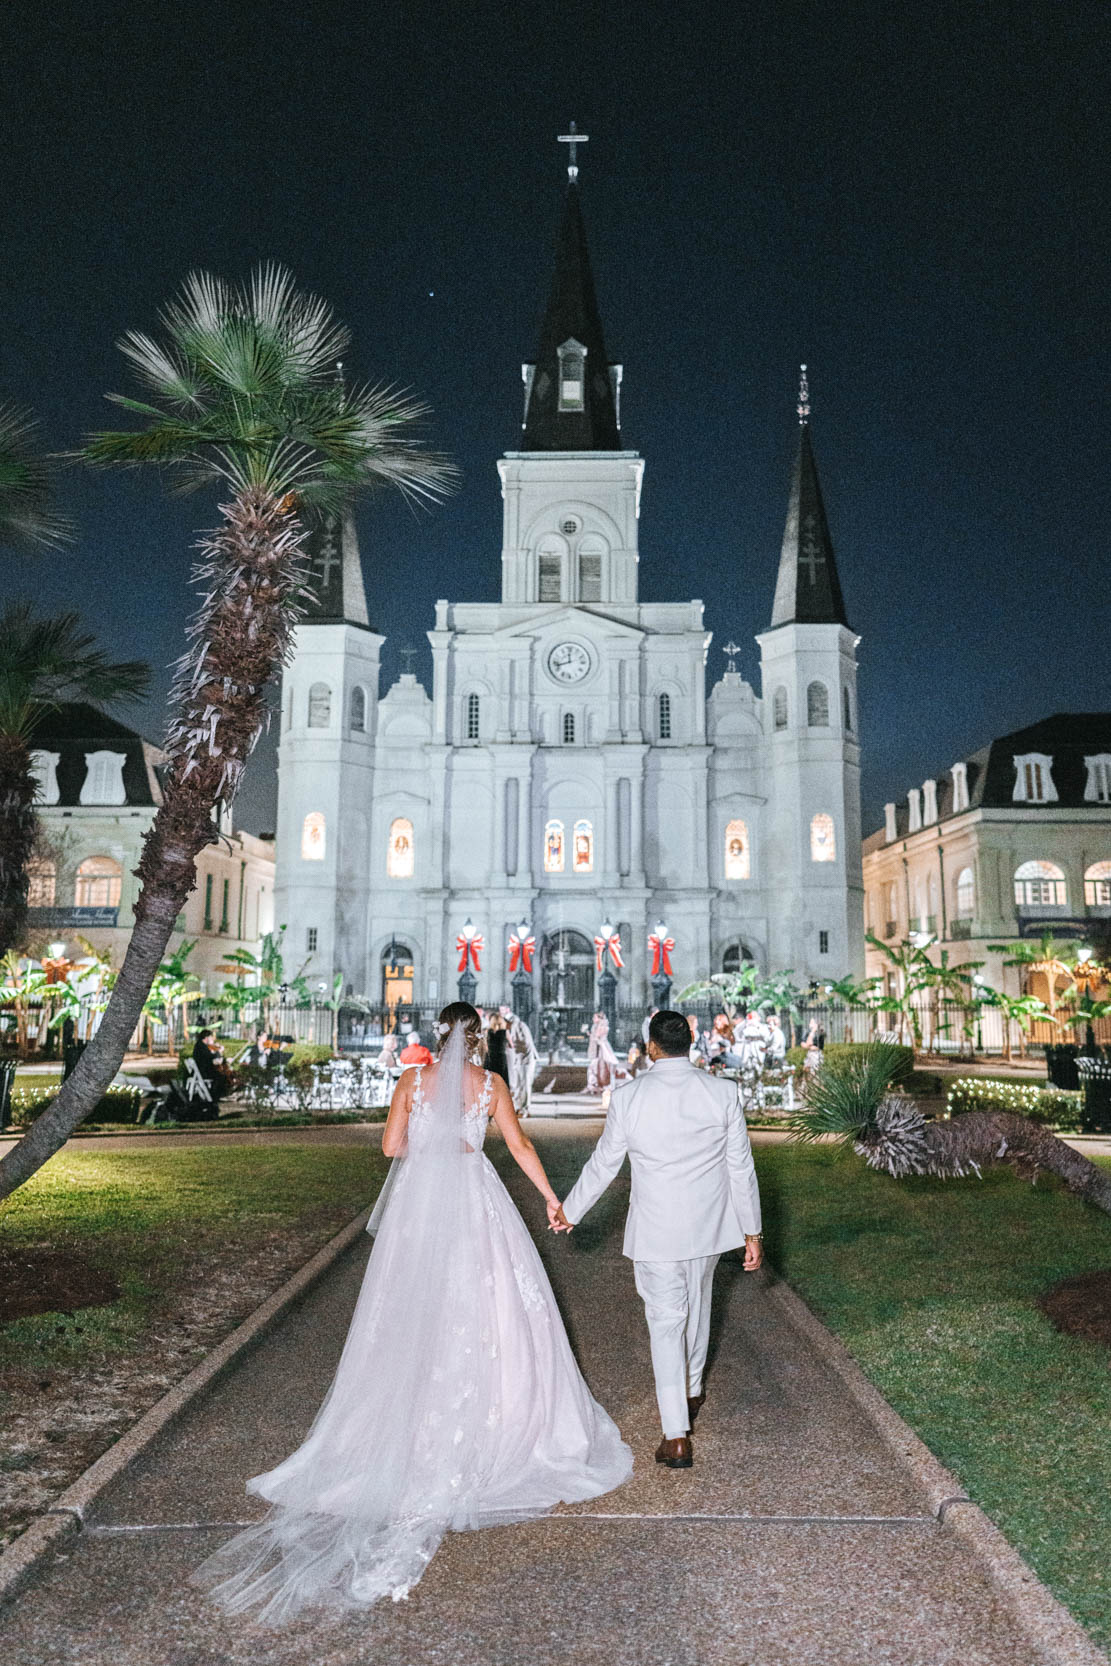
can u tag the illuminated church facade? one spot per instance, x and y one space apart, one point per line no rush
569 767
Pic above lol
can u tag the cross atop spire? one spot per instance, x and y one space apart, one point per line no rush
732 649
804 397
573 139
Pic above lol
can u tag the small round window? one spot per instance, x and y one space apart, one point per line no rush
570 525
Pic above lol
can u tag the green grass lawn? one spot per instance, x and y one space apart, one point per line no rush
931 1286
146 1215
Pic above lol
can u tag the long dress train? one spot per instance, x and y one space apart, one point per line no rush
457 1402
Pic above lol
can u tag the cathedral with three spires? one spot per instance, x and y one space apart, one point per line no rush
569 769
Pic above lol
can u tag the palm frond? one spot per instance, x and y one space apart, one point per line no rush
48 661
842 1098
27 515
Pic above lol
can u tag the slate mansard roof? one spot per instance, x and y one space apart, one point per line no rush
1066 737
76 729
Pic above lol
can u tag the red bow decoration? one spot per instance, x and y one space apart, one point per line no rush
613 944
468 950
661 948
521 950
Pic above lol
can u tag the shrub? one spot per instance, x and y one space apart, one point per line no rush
1055 1106
309 1052
119 1104
846 1050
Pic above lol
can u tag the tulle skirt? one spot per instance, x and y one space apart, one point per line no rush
457 1404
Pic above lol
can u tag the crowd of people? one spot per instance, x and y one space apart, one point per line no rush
507 1048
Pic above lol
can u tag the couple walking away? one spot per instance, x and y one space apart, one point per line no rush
457 1402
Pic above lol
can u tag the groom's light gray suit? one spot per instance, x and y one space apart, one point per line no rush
694 1195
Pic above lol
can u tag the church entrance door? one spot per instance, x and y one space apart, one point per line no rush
397 980
566 990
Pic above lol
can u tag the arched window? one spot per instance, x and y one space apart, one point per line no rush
892 909
734 955
312 837
44 768
823 844
550 568
583 848
553 847
665 717
779 708
737 861
817 706
400 852
848 704
99 882
572 372
966 893
103 782
358 710
42 884
1097 885
474 712
1040 885
320 706
568 728
592 550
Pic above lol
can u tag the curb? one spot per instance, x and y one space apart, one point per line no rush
1059 1639
67 1514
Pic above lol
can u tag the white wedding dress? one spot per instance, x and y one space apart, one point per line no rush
457 1402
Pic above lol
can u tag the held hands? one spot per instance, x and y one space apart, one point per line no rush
754 1251
557 1220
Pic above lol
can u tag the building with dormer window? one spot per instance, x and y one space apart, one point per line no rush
1019 843
99 786
567 765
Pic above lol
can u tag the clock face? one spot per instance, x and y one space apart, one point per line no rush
568 662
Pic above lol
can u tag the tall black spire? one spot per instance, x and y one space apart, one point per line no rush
335 575
571 392
808 590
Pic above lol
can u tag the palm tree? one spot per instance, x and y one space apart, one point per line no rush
43 663
27 517
1016 1009
242 392
913 969
852 1100
1048 956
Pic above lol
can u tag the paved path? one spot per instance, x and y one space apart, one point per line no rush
796 1538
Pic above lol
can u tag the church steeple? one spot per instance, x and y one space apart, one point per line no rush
808 590
335 583
571 392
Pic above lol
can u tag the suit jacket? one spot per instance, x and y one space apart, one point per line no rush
694 1189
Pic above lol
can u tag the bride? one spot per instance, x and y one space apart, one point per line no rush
457 1402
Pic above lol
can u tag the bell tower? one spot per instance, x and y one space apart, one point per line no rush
572 493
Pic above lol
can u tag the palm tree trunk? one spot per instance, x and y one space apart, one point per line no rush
980 1139
252 568
17 839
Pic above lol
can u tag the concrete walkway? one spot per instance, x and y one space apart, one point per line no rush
797 1538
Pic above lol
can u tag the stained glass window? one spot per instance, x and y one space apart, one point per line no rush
553 847
583 847
312 837
400 855
737 862
823 845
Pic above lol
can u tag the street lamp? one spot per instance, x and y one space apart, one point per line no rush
607 982
521 947
661 945
468 942
979 995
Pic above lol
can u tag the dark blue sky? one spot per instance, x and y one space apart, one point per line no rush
912 199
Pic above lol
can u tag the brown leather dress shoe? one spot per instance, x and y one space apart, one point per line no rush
694 1405
676 1454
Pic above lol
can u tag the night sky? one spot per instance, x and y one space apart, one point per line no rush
912 199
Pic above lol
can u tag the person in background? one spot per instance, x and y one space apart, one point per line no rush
601 1060
387 1058
777 1043
638 1057
414 1050
652 1011
720 1046
257 1055
700 1044
497 1046
523 1060
210 1062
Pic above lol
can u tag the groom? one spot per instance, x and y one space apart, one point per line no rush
694 1195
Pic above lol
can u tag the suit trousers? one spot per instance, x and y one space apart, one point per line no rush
676 1296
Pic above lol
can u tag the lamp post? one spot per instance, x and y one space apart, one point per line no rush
607 982
661 945
979 995
468 942
521 947
1086 974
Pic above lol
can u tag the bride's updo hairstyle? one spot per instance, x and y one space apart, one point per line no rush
460 1012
